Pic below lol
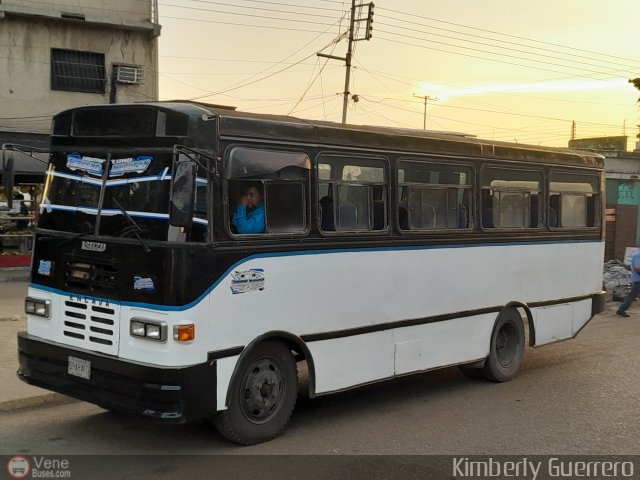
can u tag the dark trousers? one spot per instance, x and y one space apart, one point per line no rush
633 294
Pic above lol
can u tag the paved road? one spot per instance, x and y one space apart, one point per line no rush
575 397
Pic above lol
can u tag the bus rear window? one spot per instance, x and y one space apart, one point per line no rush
121 122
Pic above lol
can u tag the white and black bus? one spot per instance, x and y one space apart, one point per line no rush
379 252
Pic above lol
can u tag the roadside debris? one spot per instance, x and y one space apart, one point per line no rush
616 279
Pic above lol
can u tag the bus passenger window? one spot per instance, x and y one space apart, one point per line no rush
267 191
433 196
510 198
573 200
285 207
352 194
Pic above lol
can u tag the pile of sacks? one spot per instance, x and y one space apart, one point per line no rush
617 278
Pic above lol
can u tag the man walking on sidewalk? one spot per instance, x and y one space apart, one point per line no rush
635 286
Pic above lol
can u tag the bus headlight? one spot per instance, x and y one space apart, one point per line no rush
149 329
34 306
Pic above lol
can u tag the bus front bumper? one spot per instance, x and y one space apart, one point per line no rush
172 395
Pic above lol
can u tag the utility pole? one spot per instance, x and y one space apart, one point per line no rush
426 98
573 130
347 79
352 38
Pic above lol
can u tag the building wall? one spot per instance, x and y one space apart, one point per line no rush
117 10
623 195
125 31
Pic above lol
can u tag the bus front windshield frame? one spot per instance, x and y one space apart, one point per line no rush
93 194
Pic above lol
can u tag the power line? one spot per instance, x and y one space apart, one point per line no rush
483 58
502 41
496 111
598 72
413 82
267 3
288 29
509 35
312 81
247 82
265 17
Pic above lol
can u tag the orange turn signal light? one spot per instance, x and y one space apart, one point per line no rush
184 333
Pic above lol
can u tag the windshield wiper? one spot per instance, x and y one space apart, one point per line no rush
134 227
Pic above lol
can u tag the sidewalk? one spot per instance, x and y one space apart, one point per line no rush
15 394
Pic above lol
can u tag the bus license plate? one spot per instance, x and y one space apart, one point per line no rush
79 368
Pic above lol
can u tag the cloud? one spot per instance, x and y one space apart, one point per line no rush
444 92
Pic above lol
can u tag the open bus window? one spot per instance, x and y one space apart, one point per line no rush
573 201
267 191
433 196
352 194
510 198
285 207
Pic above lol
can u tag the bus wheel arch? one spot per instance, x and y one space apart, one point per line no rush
263 388
531 328
507 344
295 344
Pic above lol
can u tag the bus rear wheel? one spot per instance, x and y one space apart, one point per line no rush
262 396
507 347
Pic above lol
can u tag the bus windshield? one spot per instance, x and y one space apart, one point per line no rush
77 193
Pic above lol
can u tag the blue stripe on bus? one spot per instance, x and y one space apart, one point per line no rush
174 308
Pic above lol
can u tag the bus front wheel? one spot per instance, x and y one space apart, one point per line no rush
262 396
507 347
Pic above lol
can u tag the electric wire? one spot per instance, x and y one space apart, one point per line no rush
248 81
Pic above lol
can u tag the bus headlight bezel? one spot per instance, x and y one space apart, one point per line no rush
38 307
146 329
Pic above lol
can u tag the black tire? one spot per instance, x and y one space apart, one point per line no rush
262 396
507 347
470 372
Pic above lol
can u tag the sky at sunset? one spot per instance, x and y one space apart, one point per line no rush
498 69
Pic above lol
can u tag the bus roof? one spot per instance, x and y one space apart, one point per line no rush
235 123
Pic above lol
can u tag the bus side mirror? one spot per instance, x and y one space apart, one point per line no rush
183 186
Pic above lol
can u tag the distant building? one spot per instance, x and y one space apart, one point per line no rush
622 171
58 54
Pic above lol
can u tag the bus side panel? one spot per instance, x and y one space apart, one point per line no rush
581 315
553 323
450 342
343 363
559 322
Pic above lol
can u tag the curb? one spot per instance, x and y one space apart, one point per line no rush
35 402
15 274
14 278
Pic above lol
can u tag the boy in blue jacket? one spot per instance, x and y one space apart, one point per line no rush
249 214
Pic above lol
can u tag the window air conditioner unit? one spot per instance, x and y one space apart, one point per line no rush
129 74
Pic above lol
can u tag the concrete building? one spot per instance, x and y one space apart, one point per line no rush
622 172
58 54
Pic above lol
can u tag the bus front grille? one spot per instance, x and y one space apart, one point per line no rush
91 324
91 275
